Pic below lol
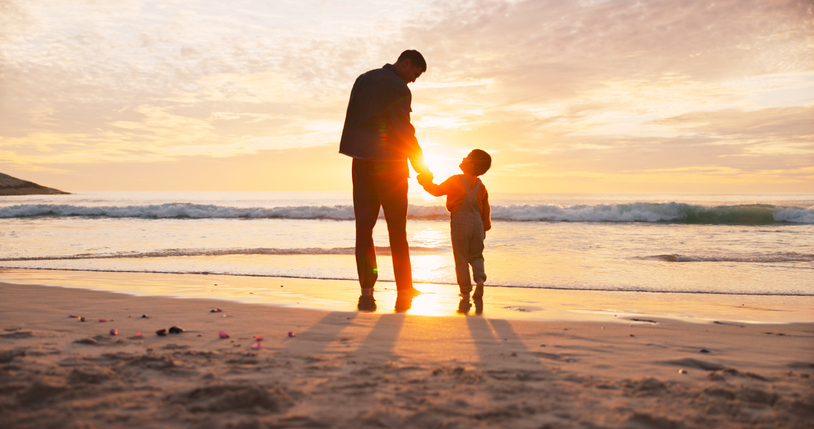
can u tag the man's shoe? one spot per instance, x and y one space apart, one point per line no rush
409 292
366 303
403 302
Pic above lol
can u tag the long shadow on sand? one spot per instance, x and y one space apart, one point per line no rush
314 341
379 344
496 338
377 347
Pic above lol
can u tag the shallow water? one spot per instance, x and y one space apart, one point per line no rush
594 246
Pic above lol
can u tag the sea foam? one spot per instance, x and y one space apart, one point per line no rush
754 214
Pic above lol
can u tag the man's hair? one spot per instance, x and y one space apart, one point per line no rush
481 161
415 58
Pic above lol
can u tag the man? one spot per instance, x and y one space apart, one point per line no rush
379 137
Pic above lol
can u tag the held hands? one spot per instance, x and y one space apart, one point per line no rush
424 175
419 166
424 178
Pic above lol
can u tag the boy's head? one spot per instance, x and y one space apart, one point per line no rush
479 160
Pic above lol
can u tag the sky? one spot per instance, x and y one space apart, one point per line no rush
567 95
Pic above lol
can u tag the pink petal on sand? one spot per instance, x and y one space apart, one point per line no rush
256 346
72 316
103 320
258 338
223 334
139 335
114 332
290 334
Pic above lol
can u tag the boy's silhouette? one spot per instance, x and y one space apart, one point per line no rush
468 205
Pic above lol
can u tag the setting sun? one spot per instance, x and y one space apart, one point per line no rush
248 98
443 161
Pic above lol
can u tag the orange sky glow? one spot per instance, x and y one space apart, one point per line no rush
567 95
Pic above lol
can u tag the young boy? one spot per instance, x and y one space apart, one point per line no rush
468 205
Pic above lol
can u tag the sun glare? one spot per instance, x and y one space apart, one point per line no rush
431 268
442 163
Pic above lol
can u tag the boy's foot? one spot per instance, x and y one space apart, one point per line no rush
478 306
464 296
478 292
464 306
367 291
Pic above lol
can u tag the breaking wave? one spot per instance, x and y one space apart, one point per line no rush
174 253
170 253
755 214
752 258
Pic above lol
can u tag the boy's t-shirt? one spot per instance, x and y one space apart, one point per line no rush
454 189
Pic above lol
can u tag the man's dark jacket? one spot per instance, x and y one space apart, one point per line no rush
377 123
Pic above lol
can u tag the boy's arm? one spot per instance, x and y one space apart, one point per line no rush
425 180
486 212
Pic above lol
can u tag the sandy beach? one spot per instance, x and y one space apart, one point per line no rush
575 361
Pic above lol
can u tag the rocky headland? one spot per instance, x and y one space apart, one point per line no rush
14 186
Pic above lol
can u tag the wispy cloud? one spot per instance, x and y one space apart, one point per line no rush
571 88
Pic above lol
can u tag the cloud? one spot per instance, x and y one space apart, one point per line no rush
614 87
620 38
558 86
792 123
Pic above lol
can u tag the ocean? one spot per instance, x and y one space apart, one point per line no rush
746 244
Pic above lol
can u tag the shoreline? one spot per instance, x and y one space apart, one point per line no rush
383 284
351 369
533 304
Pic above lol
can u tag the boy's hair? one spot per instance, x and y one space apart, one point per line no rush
415 58
481 161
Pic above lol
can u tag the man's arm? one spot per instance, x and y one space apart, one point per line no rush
403 132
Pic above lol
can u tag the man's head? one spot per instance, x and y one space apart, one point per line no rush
411 65
478 161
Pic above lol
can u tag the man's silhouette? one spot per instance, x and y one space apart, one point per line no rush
379 137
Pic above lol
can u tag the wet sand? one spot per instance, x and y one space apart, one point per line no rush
579 359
